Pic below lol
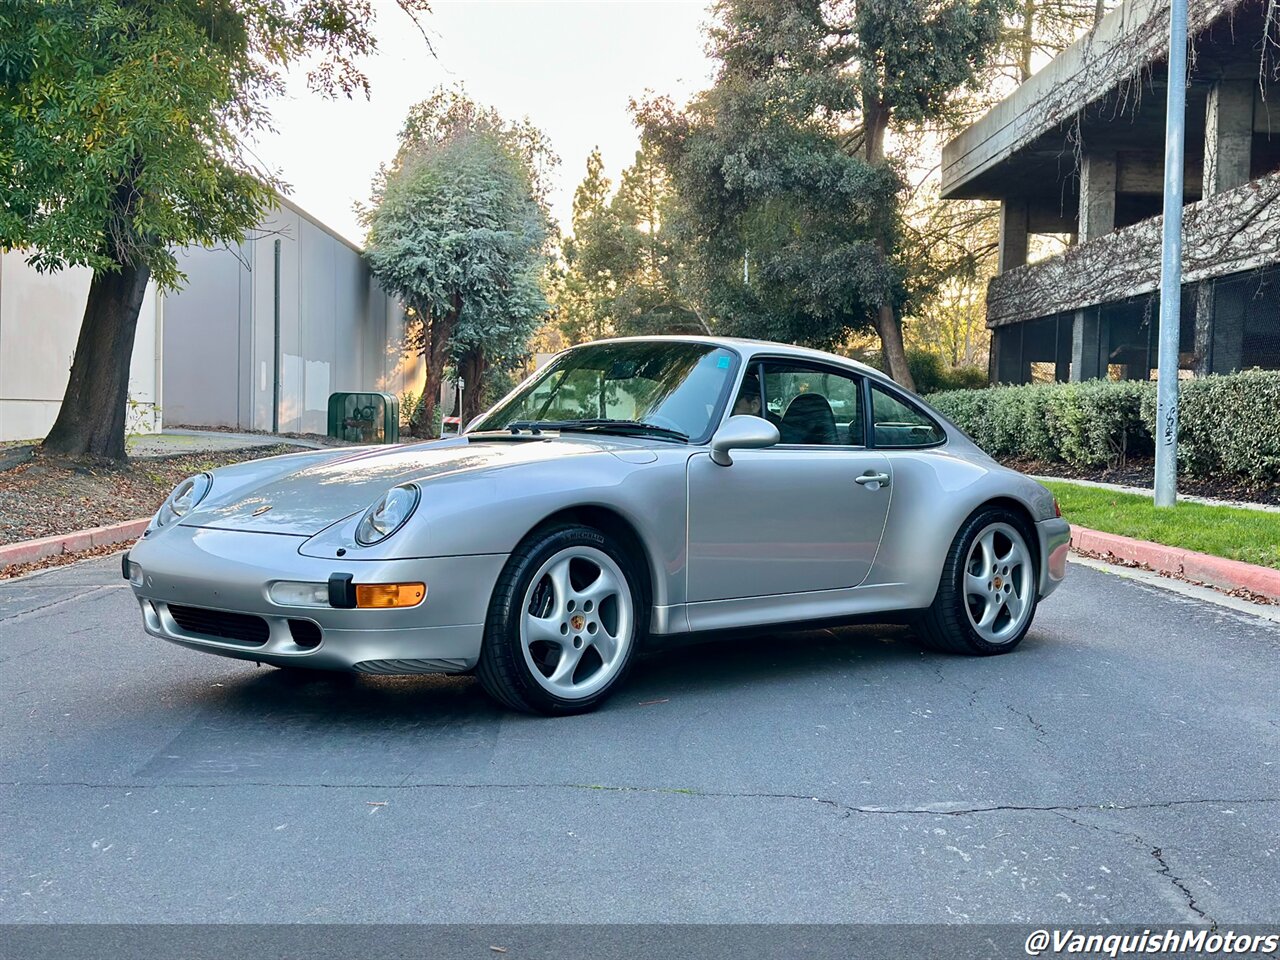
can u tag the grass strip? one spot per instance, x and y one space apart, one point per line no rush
1252 536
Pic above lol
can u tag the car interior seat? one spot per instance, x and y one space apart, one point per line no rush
809 420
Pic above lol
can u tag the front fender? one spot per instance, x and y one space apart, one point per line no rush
491 511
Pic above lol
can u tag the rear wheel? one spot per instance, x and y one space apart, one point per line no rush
565 619
987 595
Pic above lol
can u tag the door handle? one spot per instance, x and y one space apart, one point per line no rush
879 479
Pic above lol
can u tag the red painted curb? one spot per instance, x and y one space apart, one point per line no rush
1218 571
29 551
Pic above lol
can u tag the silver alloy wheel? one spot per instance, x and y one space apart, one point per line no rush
577 622
999 583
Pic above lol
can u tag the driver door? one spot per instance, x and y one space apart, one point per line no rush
805 515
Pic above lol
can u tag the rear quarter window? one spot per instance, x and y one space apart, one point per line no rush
896 423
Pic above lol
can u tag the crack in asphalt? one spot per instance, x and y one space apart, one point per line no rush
93 591
1063 811
849 809
1040 731
1165 870
1157 853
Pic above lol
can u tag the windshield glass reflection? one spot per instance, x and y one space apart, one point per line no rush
670 384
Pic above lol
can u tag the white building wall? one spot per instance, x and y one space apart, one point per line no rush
40 317
338 331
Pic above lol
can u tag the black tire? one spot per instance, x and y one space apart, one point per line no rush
946 625
503 670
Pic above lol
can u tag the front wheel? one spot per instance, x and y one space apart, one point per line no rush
564 621
987 595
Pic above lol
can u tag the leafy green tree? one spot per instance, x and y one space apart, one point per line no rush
458 231
789 196
621 268
121 138
651 297
592 256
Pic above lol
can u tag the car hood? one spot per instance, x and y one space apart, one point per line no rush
303 502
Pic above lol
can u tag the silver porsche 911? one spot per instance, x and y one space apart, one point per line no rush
631 488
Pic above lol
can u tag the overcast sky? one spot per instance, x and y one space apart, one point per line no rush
569 67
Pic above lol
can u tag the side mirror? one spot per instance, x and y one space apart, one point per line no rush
742 433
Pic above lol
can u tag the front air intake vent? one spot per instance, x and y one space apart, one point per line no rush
305 633
239 628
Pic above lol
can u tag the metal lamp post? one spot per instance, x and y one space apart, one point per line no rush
1166 492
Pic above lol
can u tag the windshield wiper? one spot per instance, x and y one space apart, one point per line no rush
624 427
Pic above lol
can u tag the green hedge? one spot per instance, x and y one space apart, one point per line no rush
1229 426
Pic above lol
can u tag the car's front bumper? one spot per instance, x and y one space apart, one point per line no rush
231 572
1055 543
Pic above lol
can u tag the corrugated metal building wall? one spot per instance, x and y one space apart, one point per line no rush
226 365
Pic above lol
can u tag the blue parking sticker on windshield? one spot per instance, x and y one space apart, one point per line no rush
723 363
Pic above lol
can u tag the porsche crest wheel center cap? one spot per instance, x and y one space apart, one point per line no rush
577 623
998 583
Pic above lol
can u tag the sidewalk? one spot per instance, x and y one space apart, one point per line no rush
175 441
171 441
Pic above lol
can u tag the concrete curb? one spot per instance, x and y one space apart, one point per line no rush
29 551
1202 567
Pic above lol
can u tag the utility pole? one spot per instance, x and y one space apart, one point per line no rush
1171 262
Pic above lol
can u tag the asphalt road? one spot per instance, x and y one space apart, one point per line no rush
1122 766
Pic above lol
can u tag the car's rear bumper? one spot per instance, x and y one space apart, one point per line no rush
1055 542
197 575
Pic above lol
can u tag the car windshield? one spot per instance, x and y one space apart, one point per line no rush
667 389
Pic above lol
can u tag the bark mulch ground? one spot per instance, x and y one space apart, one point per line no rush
1141 473
42 497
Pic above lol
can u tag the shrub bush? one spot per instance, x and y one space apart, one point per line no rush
1228 425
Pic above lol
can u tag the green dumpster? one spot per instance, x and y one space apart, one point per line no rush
364 417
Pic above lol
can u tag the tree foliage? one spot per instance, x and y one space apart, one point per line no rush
122 128
122 121
622 266
781 169
949 246
458 231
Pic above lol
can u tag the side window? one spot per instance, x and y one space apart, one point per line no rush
813 406
900 425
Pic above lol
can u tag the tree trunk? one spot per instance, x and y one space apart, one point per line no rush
91 420
472 369
1027 46
887 324
890 330
435 341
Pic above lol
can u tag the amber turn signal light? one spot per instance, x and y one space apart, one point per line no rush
390 594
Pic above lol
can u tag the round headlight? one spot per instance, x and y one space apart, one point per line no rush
185 497
387 515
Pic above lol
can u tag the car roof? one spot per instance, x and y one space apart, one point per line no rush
749 348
